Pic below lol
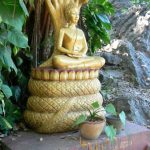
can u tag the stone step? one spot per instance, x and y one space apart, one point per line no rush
133 137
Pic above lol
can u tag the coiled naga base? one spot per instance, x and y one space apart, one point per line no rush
57 101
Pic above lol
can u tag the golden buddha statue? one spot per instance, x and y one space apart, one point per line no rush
71 46
65 86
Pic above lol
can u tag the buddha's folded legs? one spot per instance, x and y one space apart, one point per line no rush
66 62
97 62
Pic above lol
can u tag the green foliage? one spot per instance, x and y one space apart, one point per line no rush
17 38
12 75
12 13
6 59
6 90
122 117
82 118
95 105
4 124
11 115
95 16
93 114
23 7
111 109
110 132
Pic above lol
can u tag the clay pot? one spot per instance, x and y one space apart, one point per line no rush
116 122
92 130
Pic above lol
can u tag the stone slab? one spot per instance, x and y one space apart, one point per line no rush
134 137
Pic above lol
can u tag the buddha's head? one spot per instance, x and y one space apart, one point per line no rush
72 13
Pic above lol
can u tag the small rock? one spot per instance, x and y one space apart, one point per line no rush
112 59
13 139
41 139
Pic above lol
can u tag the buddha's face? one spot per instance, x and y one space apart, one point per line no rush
74 15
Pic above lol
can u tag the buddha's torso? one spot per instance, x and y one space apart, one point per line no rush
72 40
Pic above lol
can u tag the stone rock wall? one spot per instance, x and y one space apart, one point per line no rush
131 42
128 62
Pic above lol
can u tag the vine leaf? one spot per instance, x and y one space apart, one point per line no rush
6 90
16 19
111 109
5 125
5 58
122 117
23 7
110 132
17 38
80 120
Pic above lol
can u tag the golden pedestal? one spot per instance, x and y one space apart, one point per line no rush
58 97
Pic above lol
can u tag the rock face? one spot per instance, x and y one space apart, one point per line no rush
128 60
132 43
127 97
120 5
135 62
135 102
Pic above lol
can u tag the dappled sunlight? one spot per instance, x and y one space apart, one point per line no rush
142 23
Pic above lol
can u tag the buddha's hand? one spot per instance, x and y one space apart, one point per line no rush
75 54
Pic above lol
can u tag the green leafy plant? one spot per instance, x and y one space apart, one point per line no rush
110 129
110 109
96 21
93 116
13 73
